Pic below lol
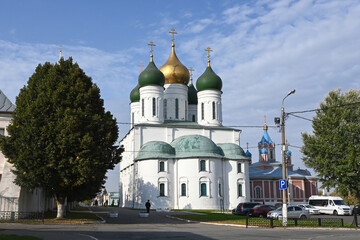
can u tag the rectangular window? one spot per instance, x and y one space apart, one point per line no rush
176 108
2 131
162 166
186 109
220 190
240 190
202 165
142 107
203 190
193 118
213 110
162 189
165 109
239 170
154 107
183 189
202 111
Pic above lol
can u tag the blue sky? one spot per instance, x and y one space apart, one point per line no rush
261 50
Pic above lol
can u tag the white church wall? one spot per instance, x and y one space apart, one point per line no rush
151 104
192 114
172 92
148 182
235 178
209 108
134 113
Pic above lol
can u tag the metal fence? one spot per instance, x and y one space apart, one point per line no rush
295 222
9 216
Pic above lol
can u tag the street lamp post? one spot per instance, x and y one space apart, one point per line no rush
284 208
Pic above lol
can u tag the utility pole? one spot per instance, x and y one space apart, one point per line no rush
283 150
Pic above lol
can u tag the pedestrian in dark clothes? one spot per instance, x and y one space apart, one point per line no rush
148 205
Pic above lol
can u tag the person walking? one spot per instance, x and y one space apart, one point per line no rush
148 205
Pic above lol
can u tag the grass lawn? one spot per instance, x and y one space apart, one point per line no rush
211 216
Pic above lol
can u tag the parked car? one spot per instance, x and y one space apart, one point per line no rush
261 210
292 212
330 205
243 208
311 209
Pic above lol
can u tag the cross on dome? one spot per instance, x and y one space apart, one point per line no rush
173 36
208 56
151 44
141 66
191 74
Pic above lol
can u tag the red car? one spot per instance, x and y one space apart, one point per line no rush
261 210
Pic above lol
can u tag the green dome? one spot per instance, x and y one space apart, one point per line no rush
151 76
155 150
192 94
195 146
209 80
135 94
232 151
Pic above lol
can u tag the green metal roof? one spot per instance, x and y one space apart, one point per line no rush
156 149
195 146
151 76
232 151
209 80
135 94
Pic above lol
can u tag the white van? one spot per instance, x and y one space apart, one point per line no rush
330 205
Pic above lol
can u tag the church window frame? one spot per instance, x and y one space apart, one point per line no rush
154 107
162 166
183 190
163 184
202 111
213 111
239 167
162 189
165 108
193 118
204 187
186 109
183 181
142 107
240 190
271 154
176 108
220 189
258 192
202 165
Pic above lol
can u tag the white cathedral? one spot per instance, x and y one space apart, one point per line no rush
177 153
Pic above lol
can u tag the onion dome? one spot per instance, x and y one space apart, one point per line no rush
288 153
192 93
151 76
209 80
263 151
195 146
156 150
266 138
173 70
135 94
232 151
248 154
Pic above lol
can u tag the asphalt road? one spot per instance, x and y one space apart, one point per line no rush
128 225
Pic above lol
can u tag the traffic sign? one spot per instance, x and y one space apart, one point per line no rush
283 184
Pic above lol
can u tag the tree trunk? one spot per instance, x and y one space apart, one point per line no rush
61 206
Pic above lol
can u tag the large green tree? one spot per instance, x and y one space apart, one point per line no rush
333 149
61 139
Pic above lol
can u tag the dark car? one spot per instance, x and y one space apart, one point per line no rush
243 208
261 210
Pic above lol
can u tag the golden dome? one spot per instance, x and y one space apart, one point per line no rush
174 71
